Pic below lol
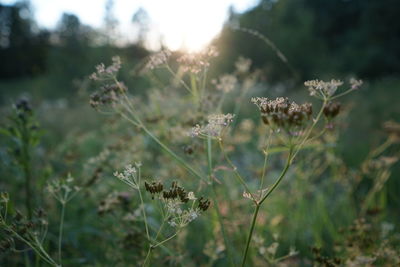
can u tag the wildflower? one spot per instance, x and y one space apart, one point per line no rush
63 189
318 88
157 60
216 124
355 84
283 113
103 73
226 83
129 176
191 196
243 64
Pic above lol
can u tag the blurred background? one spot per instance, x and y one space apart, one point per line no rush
48 48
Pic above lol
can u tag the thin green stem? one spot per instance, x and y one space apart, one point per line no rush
274 186
253 223
216 204
283 173
165 240
60 232
144 214
268 141
147 256
342 94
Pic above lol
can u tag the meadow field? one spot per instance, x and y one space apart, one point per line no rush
277 144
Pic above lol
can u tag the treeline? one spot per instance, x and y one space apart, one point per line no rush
299 40
67 52
317 37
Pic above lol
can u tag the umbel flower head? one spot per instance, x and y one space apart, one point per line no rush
175 200
215 127
102 73
282 113
320 88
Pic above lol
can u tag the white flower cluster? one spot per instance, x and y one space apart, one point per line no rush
226 83
179 216
129 175
318 87
102 73
63 189
216 124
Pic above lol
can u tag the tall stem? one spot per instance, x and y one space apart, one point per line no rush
253 223
258 204
215 200
60 232
283 173
144 214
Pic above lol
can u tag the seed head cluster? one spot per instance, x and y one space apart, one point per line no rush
107 95
154 187
204 204
175 192
283 113
332 109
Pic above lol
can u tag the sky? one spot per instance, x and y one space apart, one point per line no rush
183 24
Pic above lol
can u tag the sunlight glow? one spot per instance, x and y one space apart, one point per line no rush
180 24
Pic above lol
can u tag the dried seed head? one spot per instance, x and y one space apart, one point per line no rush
204 204
283 113
332 109
107 94
154 187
